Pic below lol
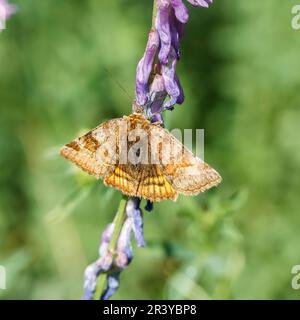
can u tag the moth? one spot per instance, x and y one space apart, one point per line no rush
141 159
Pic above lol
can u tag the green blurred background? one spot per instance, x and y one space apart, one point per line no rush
60 62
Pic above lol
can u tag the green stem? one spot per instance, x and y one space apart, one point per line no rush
118 221
118 224
154 13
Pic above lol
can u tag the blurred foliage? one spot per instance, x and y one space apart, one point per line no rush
61 61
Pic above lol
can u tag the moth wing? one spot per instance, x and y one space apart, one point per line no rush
95 152
124 177
186 173
191 179
154 186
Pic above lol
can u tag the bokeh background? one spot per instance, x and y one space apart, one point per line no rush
61 63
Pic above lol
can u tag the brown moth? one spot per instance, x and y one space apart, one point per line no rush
141 159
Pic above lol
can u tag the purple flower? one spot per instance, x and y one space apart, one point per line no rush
135 213
163 28
171 81
124 248
158 95
105 239
181 97
200 3
124 256
103 264
181 11
171 17
91 273
164 90
144 69
90 281
113 282
113 263
177 30
6 9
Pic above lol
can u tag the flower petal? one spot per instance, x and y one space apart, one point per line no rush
113 282
181 11
168 73
105 239
158 119
105 262
90 281
144 68
200 3
158 94
135 213
181 97
177 29
163 28
124 243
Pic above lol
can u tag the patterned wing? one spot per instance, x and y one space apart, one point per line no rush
154 186
95 152
186 173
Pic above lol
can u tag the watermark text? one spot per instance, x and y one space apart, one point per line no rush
296 279
2 278
296 17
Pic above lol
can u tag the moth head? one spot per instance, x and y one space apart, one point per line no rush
137 109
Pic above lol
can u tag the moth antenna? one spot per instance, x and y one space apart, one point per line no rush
118 83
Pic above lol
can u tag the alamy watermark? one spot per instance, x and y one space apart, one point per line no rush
296 17
296 279
2 278
125 145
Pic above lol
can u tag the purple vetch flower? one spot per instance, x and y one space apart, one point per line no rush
163 28
124 254
171 16
113 263
171 81
181 97
144 68
103 264
6 9
181 11
177 30
113 282
158 95
124 248
135 213
90 281
105 239
164 90
200 3
158 119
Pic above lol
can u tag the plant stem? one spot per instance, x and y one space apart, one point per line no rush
154 13
118 224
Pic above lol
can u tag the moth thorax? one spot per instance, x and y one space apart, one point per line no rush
136 108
